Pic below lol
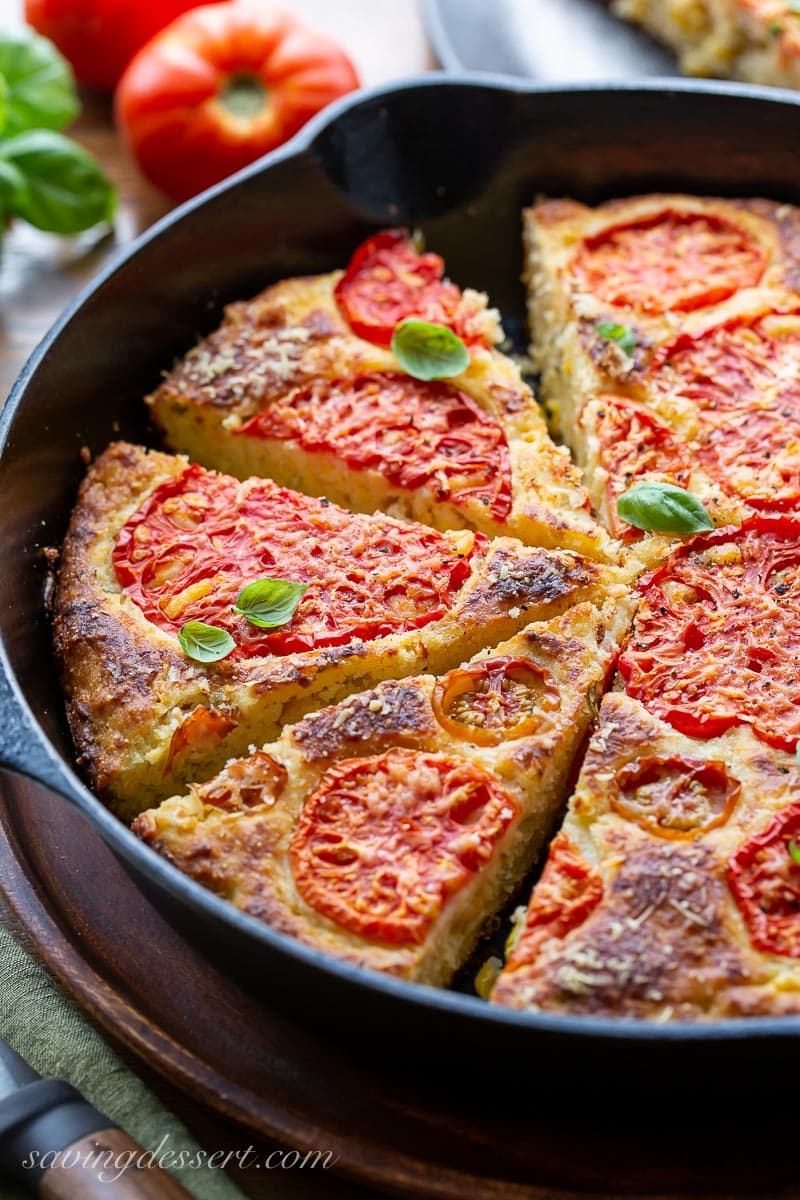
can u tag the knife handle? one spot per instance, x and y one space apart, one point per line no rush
92 1178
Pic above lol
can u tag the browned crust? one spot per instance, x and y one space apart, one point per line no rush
232 834
666 940
128 685
292 334
660 939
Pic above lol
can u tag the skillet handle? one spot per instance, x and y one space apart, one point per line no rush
24 749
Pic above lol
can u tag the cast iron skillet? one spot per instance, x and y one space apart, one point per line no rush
459 157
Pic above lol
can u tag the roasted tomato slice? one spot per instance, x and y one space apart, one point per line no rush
764 877
755 456
415 434
634 444
384 842
669 261
198 539
714 643
200 729
567 893
493 701
387 281
673 796
744 379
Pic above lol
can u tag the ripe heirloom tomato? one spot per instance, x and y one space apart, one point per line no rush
219 87
100 37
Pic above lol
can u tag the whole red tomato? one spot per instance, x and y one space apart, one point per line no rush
100 37
221 86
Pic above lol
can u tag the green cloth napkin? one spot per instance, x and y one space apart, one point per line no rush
46 1030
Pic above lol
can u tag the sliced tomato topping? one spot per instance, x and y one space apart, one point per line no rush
755 456
674 796
633 445
415 434
714 642
387 281
384 842
567 893
764 877
201 729
669 261
744 378
198 539
496 700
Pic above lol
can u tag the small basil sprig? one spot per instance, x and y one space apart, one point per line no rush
39 87
58 186
45 178
663 508
621 334
429 351
269 602
794 851
205 643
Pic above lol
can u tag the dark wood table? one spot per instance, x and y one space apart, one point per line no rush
41 273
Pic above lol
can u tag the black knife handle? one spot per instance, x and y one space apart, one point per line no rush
57 1144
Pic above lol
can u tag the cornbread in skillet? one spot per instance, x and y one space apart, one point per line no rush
667 332
670 886
756 41
673 888
389 828
154 542
287 390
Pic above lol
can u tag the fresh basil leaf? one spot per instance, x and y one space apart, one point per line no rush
429 351
13 188
663 508
66 191
40 84
205 643
621 334
269 602
3 103
794 851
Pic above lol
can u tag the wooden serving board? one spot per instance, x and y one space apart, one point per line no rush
124 966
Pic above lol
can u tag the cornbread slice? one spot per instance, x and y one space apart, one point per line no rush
154 543
648 315
388 829
757 41
672 891
286 390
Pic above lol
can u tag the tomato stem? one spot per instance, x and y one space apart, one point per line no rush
244 95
